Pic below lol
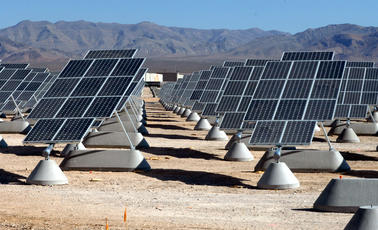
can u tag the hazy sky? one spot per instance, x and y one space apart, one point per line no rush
285 15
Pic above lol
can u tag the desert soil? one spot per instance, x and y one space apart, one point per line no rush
190 186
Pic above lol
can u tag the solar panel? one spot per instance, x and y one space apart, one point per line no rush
359 64
233 63
86 87
209 109
214 85
232 120
276 70
101 67
198 107
39 69
241 73
7 73
307 55
351 111
20 74
127 67
126 53
14 65
257 62
59 130
75 68
283 133
137 80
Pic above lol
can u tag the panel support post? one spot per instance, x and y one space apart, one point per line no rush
326 136
124 130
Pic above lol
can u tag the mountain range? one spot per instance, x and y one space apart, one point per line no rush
49 44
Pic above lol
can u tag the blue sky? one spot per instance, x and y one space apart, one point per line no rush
285 15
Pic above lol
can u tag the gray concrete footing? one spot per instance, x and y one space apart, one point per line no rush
348 136
202 124
215 134
306 160
366 218
347 195
193 116
238 152
3 143
115 126
105 160
47 172
186 113
278 176
368 128
181 111
105 139
176 109
17 126
70 147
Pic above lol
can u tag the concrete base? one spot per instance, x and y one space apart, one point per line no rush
359 128
238 152
347 195
278 176
365 218
3 143
105 139
348 136
115 126
193 116
186 113
307 160
181 111
215 134
317 128
17 126
176 110
375 116
173 108
47 172
105 160
70 147
202 124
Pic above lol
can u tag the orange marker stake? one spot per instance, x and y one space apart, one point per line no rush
341 177
106 225
125 216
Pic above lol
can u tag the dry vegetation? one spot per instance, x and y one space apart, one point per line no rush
190 186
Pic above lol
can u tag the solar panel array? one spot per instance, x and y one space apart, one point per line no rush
84 90
11 80
296 93
25 94
284 99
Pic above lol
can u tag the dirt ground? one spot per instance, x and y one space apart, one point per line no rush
190 186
